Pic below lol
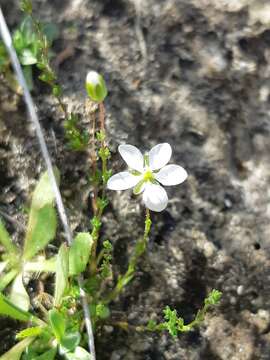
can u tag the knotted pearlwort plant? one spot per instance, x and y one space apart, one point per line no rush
55 321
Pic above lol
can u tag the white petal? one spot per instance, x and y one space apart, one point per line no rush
132 156
93 77
123 181
171 175
159 156
155 197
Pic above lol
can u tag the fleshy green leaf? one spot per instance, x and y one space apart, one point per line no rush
79 354
79 253
18 41
58 324
9 309
5 240
18 294
43 193
15 353
29 332
27 32
40 231
62 270
48 355
42 219
70 341
27 57
51 31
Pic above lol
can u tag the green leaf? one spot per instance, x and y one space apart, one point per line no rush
42 219
43 193
27 57
51 31
62 269
58 324
70 341
18 294
6 241
79 253
79 354
29 332
42 265
15 353
28 74
48 355
9 309
18 41
27 31
40 231
213 298
7 278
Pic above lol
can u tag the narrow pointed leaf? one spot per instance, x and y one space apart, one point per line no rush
6 279
58 324
29 332
79 253
15 353
9 309
42 219
40 231
62 271
18 294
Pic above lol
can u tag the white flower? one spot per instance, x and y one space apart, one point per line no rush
93 77
146 172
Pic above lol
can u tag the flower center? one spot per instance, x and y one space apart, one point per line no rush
148 176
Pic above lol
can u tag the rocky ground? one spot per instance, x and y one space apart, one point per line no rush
194 73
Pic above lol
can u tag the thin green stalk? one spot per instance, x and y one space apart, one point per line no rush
140 248
100 203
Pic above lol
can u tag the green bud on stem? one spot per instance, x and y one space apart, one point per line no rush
95 86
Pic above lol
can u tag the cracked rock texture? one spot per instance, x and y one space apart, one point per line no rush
196 74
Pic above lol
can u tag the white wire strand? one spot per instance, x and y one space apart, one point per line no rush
5 34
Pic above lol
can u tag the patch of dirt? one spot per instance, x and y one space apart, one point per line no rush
203 86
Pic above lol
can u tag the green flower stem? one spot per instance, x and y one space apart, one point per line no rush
140 248
100 256
99 203
93 158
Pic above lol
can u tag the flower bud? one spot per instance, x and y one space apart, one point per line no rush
95 86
